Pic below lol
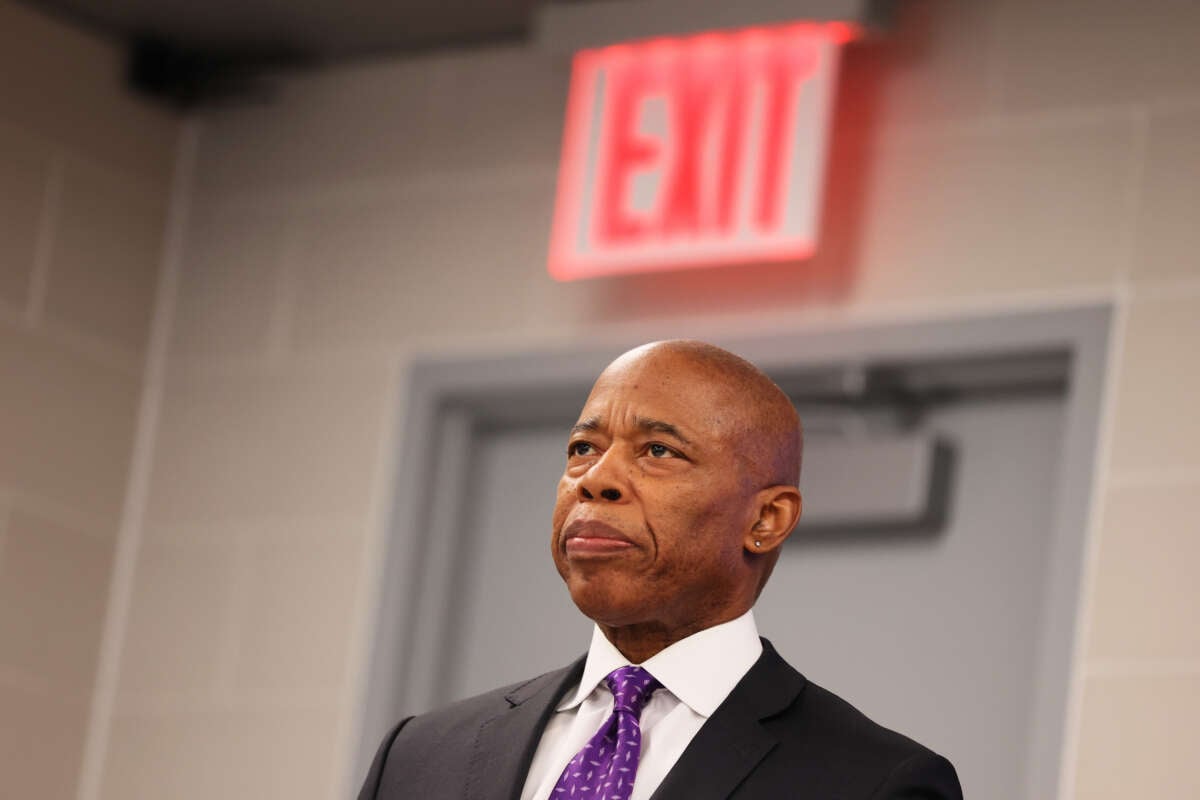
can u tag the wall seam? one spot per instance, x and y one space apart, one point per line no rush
1143 667
368 609
133 511
43 252
1154 477
1068 772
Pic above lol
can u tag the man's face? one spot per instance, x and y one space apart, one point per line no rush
653 507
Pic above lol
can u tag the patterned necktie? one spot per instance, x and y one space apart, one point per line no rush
606 766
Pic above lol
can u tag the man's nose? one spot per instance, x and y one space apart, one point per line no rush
608 494
604 480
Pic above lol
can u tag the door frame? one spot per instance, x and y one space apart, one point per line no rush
446 399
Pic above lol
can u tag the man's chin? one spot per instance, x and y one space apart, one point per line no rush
607 601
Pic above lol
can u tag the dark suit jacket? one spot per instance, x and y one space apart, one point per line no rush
777 735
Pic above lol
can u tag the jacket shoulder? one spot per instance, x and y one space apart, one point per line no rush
855 755
842 724
433 746
467 714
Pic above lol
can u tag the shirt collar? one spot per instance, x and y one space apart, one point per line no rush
700 670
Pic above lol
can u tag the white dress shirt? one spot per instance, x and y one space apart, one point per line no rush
697 674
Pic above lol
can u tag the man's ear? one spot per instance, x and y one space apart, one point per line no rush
778 512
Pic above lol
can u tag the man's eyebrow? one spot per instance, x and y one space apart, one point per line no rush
644 423
586 425
657 425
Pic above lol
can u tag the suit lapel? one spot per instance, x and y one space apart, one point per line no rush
733 740
505 743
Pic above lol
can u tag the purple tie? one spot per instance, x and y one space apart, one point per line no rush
606 766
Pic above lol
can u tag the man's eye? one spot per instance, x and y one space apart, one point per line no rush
660 451
580 449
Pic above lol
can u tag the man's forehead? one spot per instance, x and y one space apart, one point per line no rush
649 377
655 367
708 394
675 398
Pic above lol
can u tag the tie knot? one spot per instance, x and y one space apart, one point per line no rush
631 687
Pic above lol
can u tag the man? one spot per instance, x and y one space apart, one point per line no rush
680 488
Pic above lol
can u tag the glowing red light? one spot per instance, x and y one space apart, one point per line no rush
695 151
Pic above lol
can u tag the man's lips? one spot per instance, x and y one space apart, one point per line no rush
594 538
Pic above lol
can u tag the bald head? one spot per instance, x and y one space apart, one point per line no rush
757 411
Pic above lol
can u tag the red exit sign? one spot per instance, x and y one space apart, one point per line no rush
696 151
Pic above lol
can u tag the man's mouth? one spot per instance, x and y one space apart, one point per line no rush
591 538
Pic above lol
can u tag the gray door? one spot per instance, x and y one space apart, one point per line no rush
934 635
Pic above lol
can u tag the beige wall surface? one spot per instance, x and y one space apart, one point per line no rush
84 174
987 156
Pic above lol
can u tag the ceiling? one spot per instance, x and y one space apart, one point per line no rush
311 30
189 53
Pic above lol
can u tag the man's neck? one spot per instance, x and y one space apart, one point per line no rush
641 641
